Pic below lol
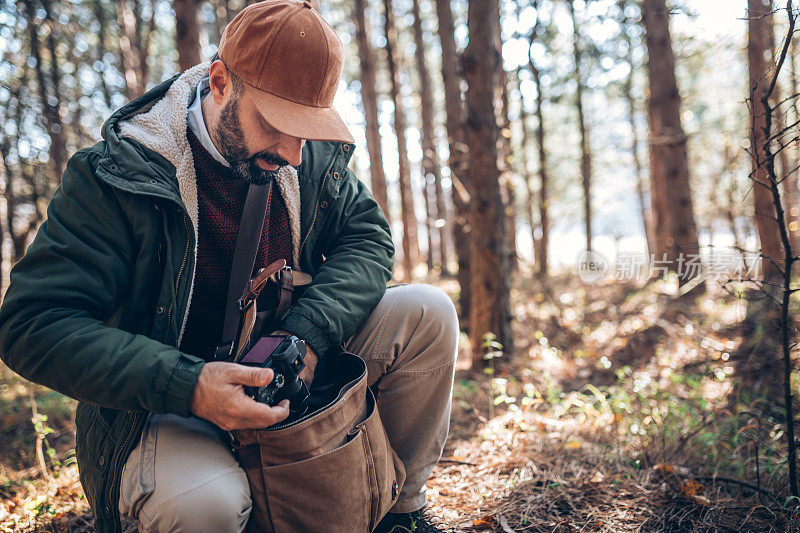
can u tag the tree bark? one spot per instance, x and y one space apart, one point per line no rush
758 44
8 178
489 242
506 176
430 216
431 167
791 184
51 111
128 40
627 88
524 170
30 177
454 109
541 249
669 160
144 45
787 173
586 154
102 20
369 99
408 216
187 33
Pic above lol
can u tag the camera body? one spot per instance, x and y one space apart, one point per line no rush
285 355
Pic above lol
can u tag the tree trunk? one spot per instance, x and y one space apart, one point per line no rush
627 87
489 243
541 250
187 33
787 174
100 50
369 99
8 178
791 183
757 47
430 216
504 164
79 136
431 167
524 170
12 202
454 109
669 161
145 33
51 111
410 245
730 215
644 203
586 155
128 40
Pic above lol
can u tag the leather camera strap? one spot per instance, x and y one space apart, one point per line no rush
244 258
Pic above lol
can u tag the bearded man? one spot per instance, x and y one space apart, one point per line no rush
119 301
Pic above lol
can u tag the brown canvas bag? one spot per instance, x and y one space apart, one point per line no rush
332 470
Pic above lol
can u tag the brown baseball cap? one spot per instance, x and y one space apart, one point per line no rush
292 59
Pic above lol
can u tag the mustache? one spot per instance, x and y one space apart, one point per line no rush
249 171
271 158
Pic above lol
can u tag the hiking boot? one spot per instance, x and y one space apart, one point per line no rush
419 521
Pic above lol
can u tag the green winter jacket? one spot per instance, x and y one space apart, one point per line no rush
97 306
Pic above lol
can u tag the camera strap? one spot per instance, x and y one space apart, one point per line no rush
244 258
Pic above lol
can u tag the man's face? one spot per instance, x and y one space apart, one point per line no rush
251 146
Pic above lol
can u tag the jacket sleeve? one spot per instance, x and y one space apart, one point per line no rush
359 253
71 280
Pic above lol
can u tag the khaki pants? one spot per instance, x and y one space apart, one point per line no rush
182 477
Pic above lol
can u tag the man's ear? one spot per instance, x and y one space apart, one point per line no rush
220 84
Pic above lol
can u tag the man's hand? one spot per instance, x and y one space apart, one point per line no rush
219 397
307 374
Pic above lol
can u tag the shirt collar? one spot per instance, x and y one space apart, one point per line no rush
197 122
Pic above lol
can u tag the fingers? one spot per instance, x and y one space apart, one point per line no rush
251 414
219 397
250 376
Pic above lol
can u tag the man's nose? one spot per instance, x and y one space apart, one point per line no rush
291 149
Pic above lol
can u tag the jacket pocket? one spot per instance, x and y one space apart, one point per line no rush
93 447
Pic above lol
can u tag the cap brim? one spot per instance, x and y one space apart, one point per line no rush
302 121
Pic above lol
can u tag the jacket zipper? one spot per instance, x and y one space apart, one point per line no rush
136 413
119 455
177 282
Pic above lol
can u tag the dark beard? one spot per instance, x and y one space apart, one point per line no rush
248 171
230 139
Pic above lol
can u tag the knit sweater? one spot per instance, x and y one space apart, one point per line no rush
221 197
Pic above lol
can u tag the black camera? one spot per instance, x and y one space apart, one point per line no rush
285 355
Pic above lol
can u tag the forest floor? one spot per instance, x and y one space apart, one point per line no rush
613 415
